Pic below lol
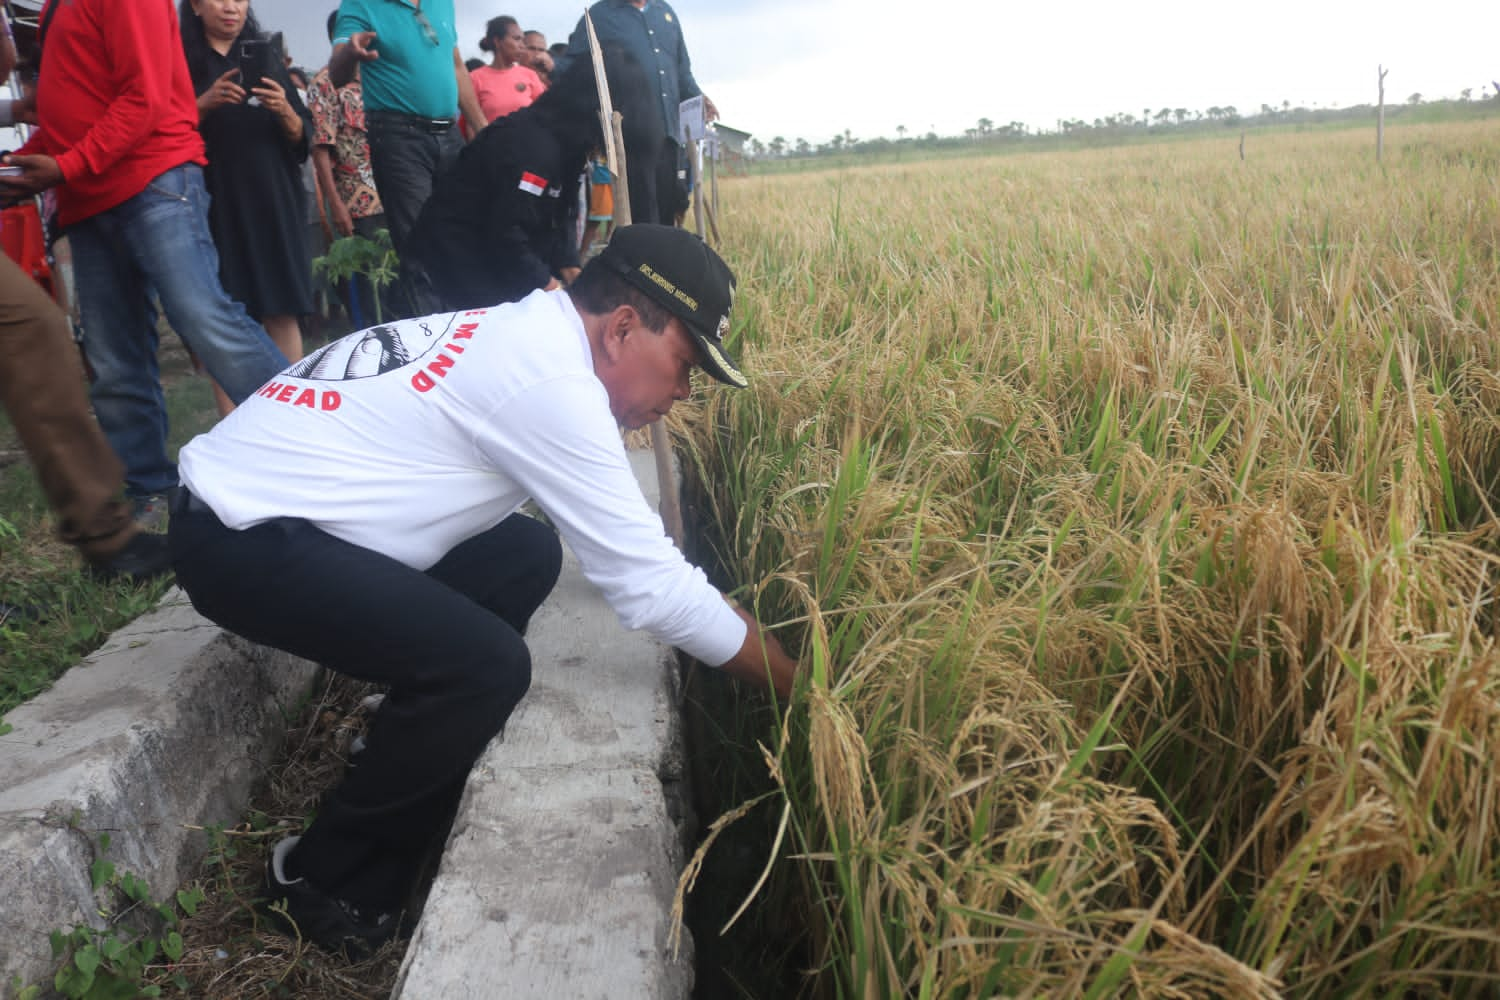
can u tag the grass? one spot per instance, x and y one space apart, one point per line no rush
229 950
1132 510
72 614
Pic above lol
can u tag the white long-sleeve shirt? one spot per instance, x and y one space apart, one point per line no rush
409 438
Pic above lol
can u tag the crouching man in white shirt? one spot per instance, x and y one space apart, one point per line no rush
361 510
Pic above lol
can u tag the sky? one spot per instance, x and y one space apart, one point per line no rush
814 68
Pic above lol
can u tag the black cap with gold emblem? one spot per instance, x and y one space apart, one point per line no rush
684 275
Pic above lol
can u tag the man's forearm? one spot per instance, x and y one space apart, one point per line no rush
323 168
341 64
761 660
468 100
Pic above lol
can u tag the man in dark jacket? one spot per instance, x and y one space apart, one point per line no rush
651 33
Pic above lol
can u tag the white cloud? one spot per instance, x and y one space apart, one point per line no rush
814 68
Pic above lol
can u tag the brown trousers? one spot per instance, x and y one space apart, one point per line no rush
42 387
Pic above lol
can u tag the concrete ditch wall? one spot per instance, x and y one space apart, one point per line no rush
168 724
558 876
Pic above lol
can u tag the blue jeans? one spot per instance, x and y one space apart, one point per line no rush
158 240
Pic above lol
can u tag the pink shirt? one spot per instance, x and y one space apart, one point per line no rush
502 91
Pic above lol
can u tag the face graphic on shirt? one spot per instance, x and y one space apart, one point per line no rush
375 351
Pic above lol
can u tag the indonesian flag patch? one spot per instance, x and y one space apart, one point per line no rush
532 184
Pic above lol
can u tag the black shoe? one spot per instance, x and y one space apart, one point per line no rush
300 910
143 558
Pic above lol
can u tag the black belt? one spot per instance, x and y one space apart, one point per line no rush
430 126
184 501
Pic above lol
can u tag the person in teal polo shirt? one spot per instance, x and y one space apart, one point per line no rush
414 86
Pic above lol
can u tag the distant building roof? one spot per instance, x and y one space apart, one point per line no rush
734 133
731 140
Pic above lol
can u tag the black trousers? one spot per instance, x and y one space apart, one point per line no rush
448 642
656 194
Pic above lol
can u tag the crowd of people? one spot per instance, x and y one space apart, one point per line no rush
361 506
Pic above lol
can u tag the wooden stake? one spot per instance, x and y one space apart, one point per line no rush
1380 114
713 191
713 226
695 168
621 182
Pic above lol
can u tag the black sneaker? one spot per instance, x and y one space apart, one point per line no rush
300 910
143 558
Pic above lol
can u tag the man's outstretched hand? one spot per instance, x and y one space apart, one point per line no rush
761 660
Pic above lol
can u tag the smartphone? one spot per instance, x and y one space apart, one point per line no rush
253 56
12 171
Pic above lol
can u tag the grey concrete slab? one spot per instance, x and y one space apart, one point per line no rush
167 725
559 873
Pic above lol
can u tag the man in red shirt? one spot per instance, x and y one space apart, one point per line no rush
118 137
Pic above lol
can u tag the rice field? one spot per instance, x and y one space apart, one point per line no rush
1133 512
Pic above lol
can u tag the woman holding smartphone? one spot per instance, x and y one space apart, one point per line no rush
256 130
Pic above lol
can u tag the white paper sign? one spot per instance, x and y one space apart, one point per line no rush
690 118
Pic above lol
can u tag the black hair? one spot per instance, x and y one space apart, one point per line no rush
557 48
472 64
497 27
333 18
195 41
599 290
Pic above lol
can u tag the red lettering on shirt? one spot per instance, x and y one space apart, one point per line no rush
426 379
313 399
